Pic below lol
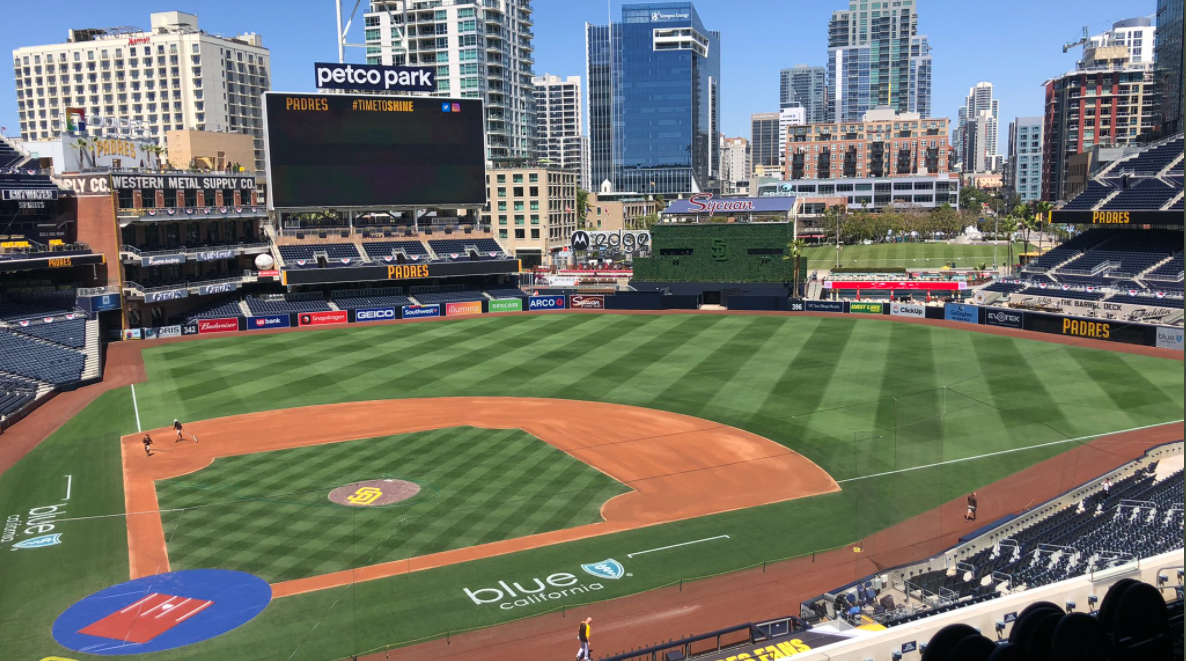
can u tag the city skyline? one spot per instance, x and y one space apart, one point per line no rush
1026 52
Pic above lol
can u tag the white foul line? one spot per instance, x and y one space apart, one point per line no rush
1000 452
69 483
664 548
136 407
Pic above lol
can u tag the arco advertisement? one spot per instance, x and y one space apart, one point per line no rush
466 307
545 303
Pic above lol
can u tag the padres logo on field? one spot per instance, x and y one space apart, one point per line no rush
374 493
364 496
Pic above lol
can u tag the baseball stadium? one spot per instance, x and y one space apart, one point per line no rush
323 416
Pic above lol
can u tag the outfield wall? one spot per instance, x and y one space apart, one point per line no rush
1148 335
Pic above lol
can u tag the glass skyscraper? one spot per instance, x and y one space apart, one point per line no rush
654 105
877 58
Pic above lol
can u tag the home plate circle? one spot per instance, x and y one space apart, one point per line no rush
374 493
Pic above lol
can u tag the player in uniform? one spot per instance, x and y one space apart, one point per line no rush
148 445
584 634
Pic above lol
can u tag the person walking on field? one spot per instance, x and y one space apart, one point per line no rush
584 633
148 445
970 515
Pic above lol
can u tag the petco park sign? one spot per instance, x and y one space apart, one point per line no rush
374 77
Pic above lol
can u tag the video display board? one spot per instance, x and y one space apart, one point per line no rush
343 150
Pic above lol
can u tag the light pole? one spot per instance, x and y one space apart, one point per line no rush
996 237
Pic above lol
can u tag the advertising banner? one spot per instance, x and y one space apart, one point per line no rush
220 288
586 302
1095 329
101 303
825 306
212 255
1149 217
170 295
225 325
969 314
323 318
931 285
268 321
162 260
467 307
132 334
866 307
150 333
375 314
1169 338
506 305
420 311
168 331
908 310
192 328
545 303
1004 318
399 271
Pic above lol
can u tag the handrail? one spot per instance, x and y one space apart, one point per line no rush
186 250
94 291
192 284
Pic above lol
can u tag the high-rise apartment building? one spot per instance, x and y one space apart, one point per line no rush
882 144
764 142
654 100
796 116
482 49
805 87
532 210
1135 34
979 99
1167 55
1110 100
170 77
877 58
560 131
1023 170
735 165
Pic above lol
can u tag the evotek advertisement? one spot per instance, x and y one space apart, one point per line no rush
341 150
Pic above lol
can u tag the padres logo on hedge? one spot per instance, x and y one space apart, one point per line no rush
364 496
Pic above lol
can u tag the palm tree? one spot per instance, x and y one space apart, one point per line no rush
1043 209
1008 225
796 248
82 145
157 151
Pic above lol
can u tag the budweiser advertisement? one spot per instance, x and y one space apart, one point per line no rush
930 285
227 325
323 318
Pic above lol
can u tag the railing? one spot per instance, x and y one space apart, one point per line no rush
188 251
97 291
192 284
1166 278
1093 271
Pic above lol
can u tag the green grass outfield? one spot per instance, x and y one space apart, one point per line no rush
908 255
476 486
858 396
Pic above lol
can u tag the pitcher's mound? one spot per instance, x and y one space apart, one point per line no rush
374 493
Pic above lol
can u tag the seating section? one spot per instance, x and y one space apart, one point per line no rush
1148 194
9 157
70 333
1152 161
1147 298
1171 270
379 249
305 256
1059 292
505 292
1131 252
15 394
1092 195
216 310
371 301
453 296
14 310
1069 249
484 248
260 307
24 356
1005 287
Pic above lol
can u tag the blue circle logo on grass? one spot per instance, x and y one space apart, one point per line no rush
162 612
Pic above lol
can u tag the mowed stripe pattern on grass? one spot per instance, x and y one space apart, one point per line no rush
269 513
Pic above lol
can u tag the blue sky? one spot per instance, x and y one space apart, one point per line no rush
1015 44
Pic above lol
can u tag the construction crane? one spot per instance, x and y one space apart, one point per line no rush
1082 40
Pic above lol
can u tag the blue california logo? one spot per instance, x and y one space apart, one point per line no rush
608 569
39 542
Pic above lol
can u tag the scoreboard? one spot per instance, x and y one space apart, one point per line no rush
342 150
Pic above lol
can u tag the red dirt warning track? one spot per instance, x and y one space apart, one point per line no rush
679 467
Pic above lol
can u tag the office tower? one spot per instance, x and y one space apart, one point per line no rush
877 58
482 49
805 87
763 138
1024 168
560 133
735 165
654 106
979 99
1167 55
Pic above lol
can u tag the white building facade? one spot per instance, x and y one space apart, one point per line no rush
482 49
735 163
1136 34
173 76
560 127
1024 167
